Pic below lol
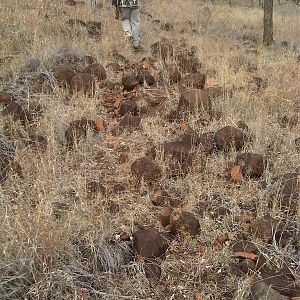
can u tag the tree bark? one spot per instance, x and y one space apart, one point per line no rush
268 22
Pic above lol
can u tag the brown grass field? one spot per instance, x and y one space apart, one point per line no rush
60 240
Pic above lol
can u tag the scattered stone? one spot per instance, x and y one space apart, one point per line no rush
156 96
252 164
100 124
5 98
242 125
193 100
184 222
258 83
144 76
207 142
83 82
260 290
228 137
145 168
266 227
244 246
188 62
128 107
159 196
281 281
96 70
77 130
63 74
297 144
194 80
214 91
38 142
114 67
94 28
164 216
19 112
161 50
149 243
129 81
130 122
152 272
94 187
71 2
174 73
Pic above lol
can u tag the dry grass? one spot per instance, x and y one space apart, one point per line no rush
54 238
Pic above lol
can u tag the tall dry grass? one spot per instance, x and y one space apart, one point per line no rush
54 237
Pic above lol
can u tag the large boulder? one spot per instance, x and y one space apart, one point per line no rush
162 49
129 81
63 74
147 169
83 82
5 98
96 70
228 137
78 130
149 243
252 164
184 222
194 100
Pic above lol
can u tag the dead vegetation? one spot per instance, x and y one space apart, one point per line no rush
171 173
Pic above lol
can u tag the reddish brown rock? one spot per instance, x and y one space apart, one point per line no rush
174 73
128 107
149 243
38 142
5 98
281 281
144 76
184 222
252 164
63 74
214 91
164 216
130 122
162 50
152 272
159 196
94 28
207 142
147 169
297 144
194 80
193 100
156 96
188 62
129 81
228 137
266 227
83 82
96 70
179 157
78 130
244 246
18 112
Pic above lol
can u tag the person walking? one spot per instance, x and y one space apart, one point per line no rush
130 18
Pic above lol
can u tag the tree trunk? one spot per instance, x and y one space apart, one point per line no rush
268 22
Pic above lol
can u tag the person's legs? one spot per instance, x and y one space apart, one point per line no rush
135 26
125 19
